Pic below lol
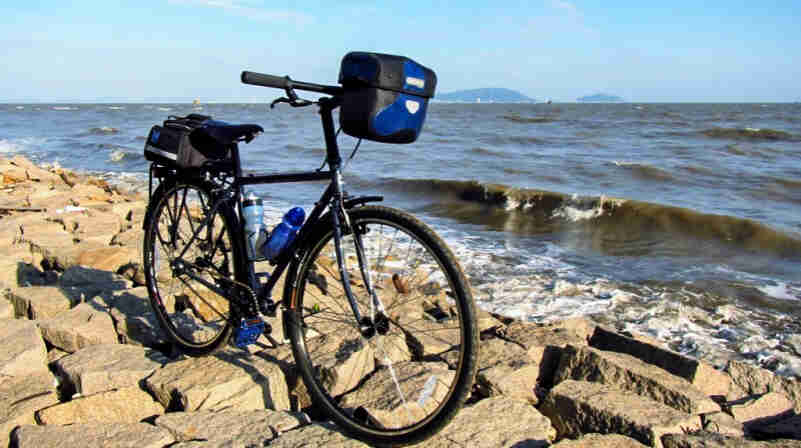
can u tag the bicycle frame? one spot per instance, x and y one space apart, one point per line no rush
333 199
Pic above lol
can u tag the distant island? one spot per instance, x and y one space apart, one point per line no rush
600 98
488 95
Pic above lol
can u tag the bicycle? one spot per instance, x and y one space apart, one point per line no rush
378 312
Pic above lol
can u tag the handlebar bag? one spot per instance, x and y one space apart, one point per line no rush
171 143
386 96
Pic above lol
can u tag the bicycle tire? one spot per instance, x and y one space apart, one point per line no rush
398 360
194 318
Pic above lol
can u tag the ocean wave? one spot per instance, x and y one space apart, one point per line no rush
104 130
64 108
120 154
7 147
645 171
486 152
749 134
613 225
520 119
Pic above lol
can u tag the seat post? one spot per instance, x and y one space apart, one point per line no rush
327 106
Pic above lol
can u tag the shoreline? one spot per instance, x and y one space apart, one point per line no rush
71 248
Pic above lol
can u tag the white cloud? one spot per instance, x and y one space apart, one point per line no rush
244 9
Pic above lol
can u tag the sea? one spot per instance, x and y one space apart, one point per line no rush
678 221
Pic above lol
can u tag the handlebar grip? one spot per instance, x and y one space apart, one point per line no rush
260 79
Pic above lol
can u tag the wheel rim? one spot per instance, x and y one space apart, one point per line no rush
192 312
398 377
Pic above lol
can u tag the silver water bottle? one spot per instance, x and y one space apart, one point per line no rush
255 233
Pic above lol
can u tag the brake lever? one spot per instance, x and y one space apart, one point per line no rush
279 100
294 102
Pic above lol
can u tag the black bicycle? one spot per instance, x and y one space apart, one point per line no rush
378 311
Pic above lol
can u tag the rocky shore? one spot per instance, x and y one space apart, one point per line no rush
83 361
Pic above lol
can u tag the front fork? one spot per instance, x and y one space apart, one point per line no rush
367 324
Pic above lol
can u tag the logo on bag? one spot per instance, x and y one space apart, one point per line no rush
412 106
155 136
417 82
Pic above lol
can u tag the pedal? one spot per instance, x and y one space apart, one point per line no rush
249 331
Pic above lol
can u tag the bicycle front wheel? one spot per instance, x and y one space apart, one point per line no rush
188 247
403 372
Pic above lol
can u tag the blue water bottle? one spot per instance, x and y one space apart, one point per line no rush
283 234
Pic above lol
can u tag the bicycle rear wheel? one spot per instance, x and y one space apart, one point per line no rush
183 250
401 374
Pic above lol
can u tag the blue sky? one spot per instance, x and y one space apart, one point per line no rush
162 50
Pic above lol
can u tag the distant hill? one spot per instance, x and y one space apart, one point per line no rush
600 98
489 95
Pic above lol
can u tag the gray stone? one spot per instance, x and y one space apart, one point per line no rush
135 321
92 435
22 349
600 441
753 381
496 421
225 379
126 405
316 436
83 275
701 375
578 407
79 327
21 397
240 428
99 368
630 374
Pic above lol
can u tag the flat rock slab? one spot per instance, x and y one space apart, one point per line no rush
42 302
83 275
21 397
766 408
579 407
104 367
79 327
226 379
22 349
134 318
628 373
497 422
754 380
239 428
127 405
316 436
713 440
92 435
700 374
600 441
723 423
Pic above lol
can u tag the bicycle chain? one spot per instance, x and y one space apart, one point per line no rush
248 289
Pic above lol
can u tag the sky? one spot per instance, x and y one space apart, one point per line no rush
180 50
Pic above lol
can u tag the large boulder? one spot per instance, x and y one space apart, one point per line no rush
239 428
496 422
126 405
100 368
79 327
630 374
754 380
21 397
318 435
42 302
703 376
22 350
760 409
133 316
92 435
6 309
579 407
226 379
110 259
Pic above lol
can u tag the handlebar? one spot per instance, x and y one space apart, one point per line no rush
285 83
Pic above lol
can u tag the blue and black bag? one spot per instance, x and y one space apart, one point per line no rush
386 97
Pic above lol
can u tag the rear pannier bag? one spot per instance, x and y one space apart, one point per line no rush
386 97
171 143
